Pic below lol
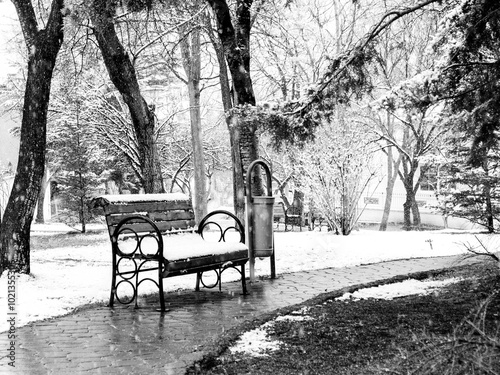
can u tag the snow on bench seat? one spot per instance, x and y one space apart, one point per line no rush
186 251
135 198
192 245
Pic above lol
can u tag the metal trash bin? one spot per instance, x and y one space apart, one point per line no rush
263 207
259 223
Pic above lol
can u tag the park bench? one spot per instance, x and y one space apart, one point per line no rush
157 233
291 217
278 213
315 220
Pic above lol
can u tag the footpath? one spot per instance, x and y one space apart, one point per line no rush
124 340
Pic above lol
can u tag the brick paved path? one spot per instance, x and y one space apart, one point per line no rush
125 340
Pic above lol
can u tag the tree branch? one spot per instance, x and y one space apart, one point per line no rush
387 20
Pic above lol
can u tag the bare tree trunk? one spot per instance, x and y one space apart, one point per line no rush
392 174
44 46
227 102
407 210
489 209
122 74
40 216
410 207
407 176
490 225
417 221
235 41
191 59
82 209
238 172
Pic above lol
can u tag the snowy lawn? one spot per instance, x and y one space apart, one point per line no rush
71 275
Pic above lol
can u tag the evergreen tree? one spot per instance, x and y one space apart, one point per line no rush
470 84
471 190
80 163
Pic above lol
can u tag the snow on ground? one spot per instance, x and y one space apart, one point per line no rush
404 288
257 342
66 277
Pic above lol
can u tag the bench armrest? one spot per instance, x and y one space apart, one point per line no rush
140 227
209 219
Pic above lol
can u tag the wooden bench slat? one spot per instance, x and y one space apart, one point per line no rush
171 215
154 216
183 267
144 207
163 226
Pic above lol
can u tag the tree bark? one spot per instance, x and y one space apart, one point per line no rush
410 206
122 74
407 213
191 59
415 210
43 46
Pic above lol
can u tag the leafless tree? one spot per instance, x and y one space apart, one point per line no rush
42 45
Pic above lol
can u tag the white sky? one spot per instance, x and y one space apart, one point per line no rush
8 19
8 24
67 277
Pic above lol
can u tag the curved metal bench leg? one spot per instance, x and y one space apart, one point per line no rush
113 288
113 280
219 279
273 266
243 280
160 287
136 290
198 277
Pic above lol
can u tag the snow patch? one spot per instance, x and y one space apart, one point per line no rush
401 289
256 342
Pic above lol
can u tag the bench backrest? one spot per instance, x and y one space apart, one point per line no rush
279 210
170 212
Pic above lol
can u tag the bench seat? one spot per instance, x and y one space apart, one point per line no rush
187 252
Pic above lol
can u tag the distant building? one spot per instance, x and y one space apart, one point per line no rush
371 204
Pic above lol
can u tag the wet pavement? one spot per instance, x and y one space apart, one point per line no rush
124 340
